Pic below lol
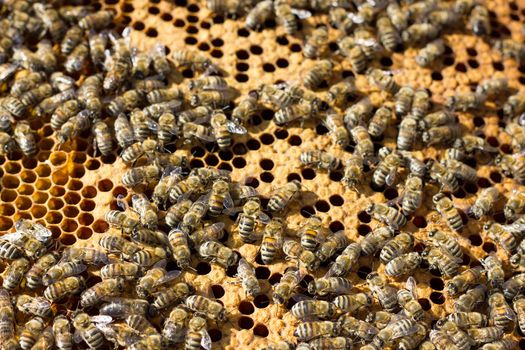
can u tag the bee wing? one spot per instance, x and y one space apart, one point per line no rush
77 337
37 303
7 72
411 286
12 237
170 276
302 14
301 297
101 319
232 211
206 340
263 217
159 49
391 177
228 201
121 202
235 128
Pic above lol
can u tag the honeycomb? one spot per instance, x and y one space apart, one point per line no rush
69 189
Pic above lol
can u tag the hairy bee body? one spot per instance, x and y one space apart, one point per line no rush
313 308
407 133
353 303
468 300
67 286
310 330
107 288
283 290
387 215
386 167
346 260
280 199
382 291
430 53
39 268
445 207
307 258
62 333
172 294
383 80
353 170
15 273
500 312
461 282
320 160
403 264
442 260
444 241
329 286
206 306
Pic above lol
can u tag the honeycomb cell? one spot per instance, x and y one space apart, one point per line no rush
23 203
70 211
43 170
475 240
217 290
322 206
12 168
55 230
267 177
72 198
21 215
28 176
67 239
89 192
57 191
55 203
246 308
261 301
26 189
76 171
100 226
363 271
59 177
10 181
38 211
437 298
336 226
87 205
92 164
74 185
8 195
42 184
46 144
245 322
84 233
78 157
53 217
203 268
6 209
275 278
85 219
40 197
261 330
58 158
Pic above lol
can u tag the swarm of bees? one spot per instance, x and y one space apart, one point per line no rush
177 215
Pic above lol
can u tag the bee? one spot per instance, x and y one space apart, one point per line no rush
470 299
31 331
67 286
140 63
413 194
272 240
282 196
71 39
51 20
503 236
129 100
61 271
331 245
123 270
331 343
15 273
282 291
500 313
281 95
194 216
24 137
207 307
76 60
491 88
106 288
147 212
430 53
7 329
466 101
380 121
513 107
304 109
249 282
400 328
486 334
386 170
335 124
176 212
441 135
97 20
382 291
445 207
329 285
219 197
149 256
403 100
355 328
435 119
180 248
172 294
512 165
122 221
387 215
364 145
192 59
306 331
345 261
407 299
306 309
318 73
208 83
123 131
440 239
407 133
27 83
444 176
353 171
246 107
175 324
458 337
197 334
141 324
153 278
39 268
517 261
261 12
118 65
14 106
514 285
353 303
97 45
102 138
494 270
383 80
119 308
387 33
74 126
479 21
247 220
314 44
50 104
484 203
442 260
420 33
89 256
218 253
439 340
62 333
517 133
320 160
518 305
89 332
284 13
376 240
503 344
137 175
509 48
403 264
460 283
36 306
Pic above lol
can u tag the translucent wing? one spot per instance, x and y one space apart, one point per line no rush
101 319
159 49
391 177
77 336
232 211
121 202
302 14
411 286
170 276
37 303
236 128
263 217
41 232
228 201
206 340
12 237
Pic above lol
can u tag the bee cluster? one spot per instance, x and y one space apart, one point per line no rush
65 64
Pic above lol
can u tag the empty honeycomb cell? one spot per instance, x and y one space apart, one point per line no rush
178 23
203 268
322 206
190 40
68 225
26 189
166 17
6 209
336 200
15 155
308 173
436 283
153 10
363 230
74 185
100 226
363 271
28 176
196 163
89 192
293 177
85 219
245 322
211 160
217 290
23 203
46 144
58 158
307 211
437 298
78 157
274 279
55 203
67 239
363 216
84 233
225 166
266 164
489 247
76 171
5 223
40 197
43 170
87 205
262 272
38 211
242 78
261 301
59 177
242 66
267 139
10 181
203 47
225 155
57 191
53 217
295 140
336 226
70 211
21 215
215 335
105 185
119 191
267 177
12 168
419 222
425 304
246 308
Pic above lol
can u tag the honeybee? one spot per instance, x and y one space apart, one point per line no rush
386 170
517 133
484 202
320 160
37 271
192 59
283 290
403 100
376 240
329 285
382 291
140 63
503 344
124 270
503 236
314 44
364 145
331 245
172 294
459 337
380 121
249 282
517 261
512 165
294 250
355 328
465 101
403 264
102 138
256 17
442 260
180 248
141 125
514 106
62 333
137 175
479 21
30 333
97 45
193 217
304 109
338 95
387 33
388 215
201 132
470 299
118 64
431 52
440 239
89 256
67 286
281 95
74 126
197 334
218 253
89 332
345 261
26 83
121 220
71 39
486 334
119 308
219 197
353 303
282 196
149 256
153 278
51 103
353 170
461 282
435 119
159 60
400 328
407 299
383 80
147 212
441 135
128 101
439 340
407 133
284 13
247 220
246 107
96 20
61 271
76 60
107 288
492 88
15 273
445 207
306 331
176 212
272 240
318 73
500 313
513 286
123 131
205 306
420 33
175 324
444 176
26 59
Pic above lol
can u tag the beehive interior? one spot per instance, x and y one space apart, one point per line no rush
69 189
